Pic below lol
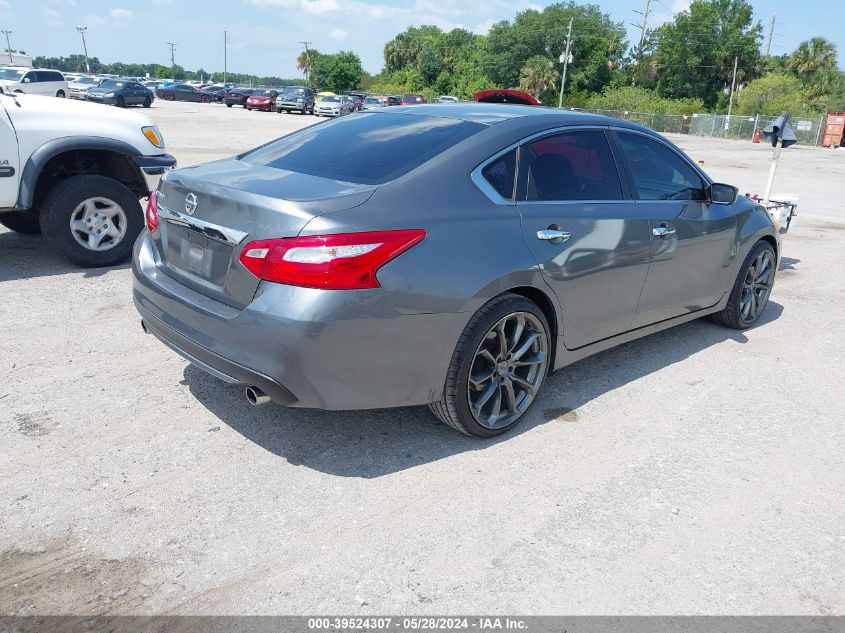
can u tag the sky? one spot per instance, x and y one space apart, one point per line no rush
265 35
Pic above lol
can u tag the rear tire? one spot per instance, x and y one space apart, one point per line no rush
751 290
503 354
63 204
25 222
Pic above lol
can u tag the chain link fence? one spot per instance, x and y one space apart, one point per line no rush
807 130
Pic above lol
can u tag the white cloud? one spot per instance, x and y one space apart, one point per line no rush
338 35
119 13
53 17
680 5
4 5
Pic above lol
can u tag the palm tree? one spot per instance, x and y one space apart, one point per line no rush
305 63
538 75
392 54
812 56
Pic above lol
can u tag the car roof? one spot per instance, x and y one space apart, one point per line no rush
492 113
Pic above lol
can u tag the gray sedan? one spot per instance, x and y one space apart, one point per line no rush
448 255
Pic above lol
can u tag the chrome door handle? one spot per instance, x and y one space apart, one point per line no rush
556 236
664 230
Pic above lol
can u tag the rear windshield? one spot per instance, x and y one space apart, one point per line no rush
367 148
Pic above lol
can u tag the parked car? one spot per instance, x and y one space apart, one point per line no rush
498 95
295 99
78 88
374 103
182 92
357 99
121 93
216 91
262 100
338 105
50 83
237 96
75 173
413 99
447 99
448 255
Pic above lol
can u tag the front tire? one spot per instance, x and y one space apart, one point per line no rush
91 220
25 222
498 368
121 102
751 290
228 105
148 102
60 94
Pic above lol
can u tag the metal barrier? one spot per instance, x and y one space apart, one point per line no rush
741 127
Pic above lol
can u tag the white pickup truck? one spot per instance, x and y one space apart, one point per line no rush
75 172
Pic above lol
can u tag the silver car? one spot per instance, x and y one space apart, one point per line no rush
449 255
334 105
78 88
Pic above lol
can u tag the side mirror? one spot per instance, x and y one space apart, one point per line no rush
26 80
723 194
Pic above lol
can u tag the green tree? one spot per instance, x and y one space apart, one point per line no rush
598 44
538 76
340 71
305 62
814 55
771 95
693 55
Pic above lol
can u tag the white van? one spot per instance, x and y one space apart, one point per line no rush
38 81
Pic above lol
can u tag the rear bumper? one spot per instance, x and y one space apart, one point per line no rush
303 347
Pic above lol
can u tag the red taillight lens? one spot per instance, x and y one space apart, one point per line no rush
152 212
346 261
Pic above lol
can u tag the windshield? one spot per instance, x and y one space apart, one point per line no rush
373 101
86 80
294 90
368 148
11 74
333 99
111 83
263 93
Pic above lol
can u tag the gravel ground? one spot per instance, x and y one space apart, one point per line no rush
696 471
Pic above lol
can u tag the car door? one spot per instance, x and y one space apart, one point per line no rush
588 238
134 93
692 241
31 84
9 160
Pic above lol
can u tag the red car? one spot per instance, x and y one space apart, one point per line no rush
500 95
412 99
262 100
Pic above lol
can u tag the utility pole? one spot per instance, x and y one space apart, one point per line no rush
172 54
225 54
771 34
731 99
565 58
308 59
646 6
7 33
82 30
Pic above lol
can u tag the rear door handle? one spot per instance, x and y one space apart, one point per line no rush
664 230
555 236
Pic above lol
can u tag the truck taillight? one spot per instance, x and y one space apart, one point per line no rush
152 212
345 261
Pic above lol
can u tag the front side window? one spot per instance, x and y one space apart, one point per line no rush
574 165
369 148
659 173
501 174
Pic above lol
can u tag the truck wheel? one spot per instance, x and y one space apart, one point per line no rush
25 222
92 220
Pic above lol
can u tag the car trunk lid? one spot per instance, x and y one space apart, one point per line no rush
208 213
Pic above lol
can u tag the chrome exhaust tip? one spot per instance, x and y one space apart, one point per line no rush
255 396
144 326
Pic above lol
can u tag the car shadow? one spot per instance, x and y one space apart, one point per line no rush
27 256
374 443
788 263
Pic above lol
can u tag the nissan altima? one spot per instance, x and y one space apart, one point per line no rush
448 255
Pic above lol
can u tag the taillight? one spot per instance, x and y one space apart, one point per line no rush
152 212
346 261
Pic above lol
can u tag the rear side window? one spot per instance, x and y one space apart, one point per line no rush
501 174
368 148
659 173
572 166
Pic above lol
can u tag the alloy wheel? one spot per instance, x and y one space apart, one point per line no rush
507 370
757 286
98 224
